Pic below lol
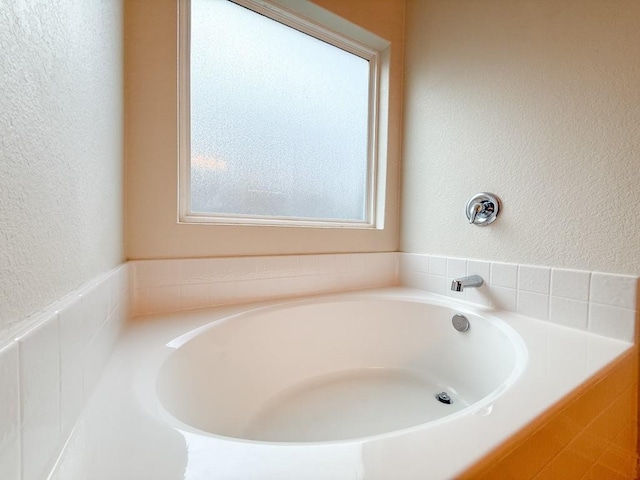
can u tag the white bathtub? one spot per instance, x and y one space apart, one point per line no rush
196 395
336 370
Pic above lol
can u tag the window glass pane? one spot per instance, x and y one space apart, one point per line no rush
278 119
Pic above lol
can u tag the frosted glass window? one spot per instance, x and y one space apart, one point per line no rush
279 120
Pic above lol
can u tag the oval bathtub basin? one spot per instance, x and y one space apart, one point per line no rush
335 370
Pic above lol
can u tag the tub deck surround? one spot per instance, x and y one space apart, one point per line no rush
590 434
122 434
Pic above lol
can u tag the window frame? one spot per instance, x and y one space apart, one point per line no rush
376 167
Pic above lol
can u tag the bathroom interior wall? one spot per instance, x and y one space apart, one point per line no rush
537 102
152 230
61 155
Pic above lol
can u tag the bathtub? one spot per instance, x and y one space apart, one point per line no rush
329 370
332 387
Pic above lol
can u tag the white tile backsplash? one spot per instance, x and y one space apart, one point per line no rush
568 312
196 271
42 370
437 284
478 267
40 396
614 290
75 330
207 282
572 284
194 296
612 321
71 394
157 273
534 279
96 305
415 279
504 275
9 413
480 296
602 303
219 292
98 351
456 267
420 263
75 333
504 298
437 265
160 299
533 304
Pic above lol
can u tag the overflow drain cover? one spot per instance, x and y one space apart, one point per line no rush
460 322
443 397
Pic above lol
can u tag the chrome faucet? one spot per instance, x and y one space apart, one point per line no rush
459 284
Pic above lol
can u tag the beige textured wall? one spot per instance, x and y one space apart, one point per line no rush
538 102
151 146
61 150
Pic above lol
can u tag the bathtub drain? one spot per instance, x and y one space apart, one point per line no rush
443 397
